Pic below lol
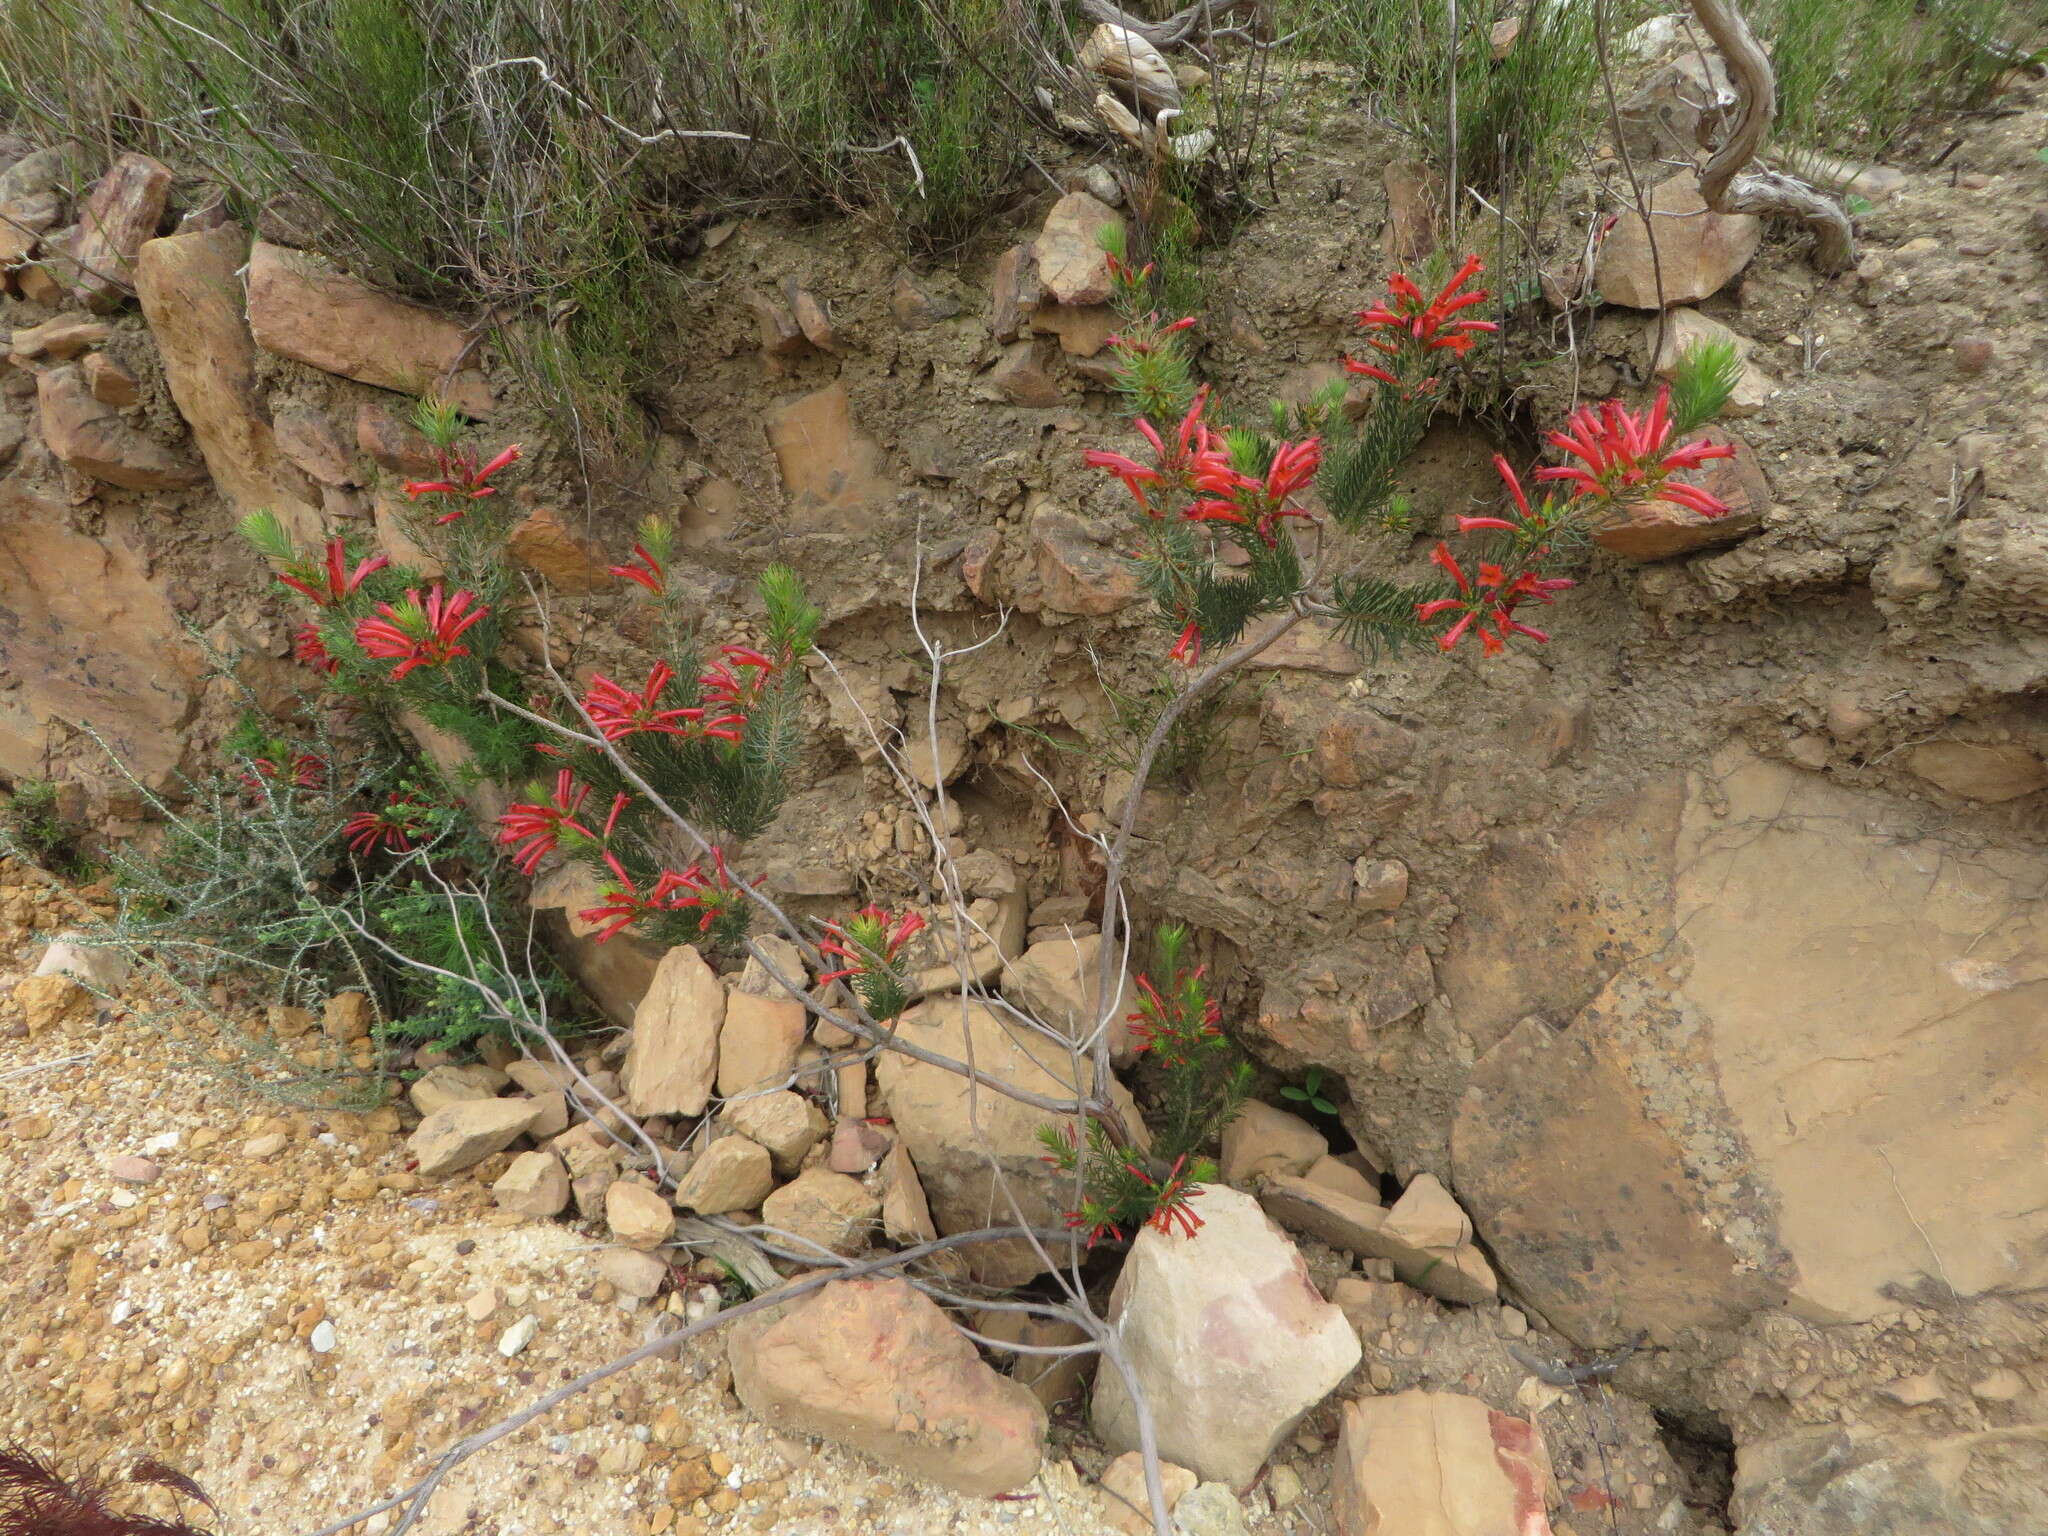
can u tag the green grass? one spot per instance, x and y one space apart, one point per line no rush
402 136
1856 75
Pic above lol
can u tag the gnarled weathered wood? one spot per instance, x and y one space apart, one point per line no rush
1728 184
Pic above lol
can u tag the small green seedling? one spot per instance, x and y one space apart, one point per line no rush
1310 1093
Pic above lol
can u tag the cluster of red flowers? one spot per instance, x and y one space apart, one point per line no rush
392 828
420 634
307 772
619 712
1416 325
1624 458
538 826
332 581
1171 1028
1198 463
310 648
1170 1199
713 895
461 477
872 937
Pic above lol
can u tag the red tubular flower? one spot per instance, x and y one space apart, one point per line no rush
420 634
1624 458
1096 1226
1417 324
307 771
1188 649
1135 476
394 827
713 895
333 581
871 937
643 568
310 648
624 904
536 827
461 476
1170 1206
619 713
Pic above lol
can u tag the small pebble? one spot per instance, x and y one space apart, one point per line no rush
134 1170
167 1142
323 1337
518 1336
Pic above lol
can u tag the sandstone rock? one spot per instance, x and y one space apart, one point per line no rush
674 1056
1051 1378
550 1115
1264 1140
93 639
776 956
129 1169
822 1209
1382 884
959 1144
832 472
1059 982
1658 530
447 1085
1130 1507
1014 292
593 1169
1699 250
633 1273
308 438
916 308
1702 1143
192 297
906 1216
122 212
46 1002
1083 330
536 1185
1688 328
396 446
62 338
787 1124
1454 1271
1427 1216
1078 570
1489 1473
100 967
110 383
1228 1339
462 1134
811 318
546 547
1342 1177
24 218
781 336
1023 376
537 1077
1831 1481
97 440
1989 771
874 1365
637 1216
1209 1509
732 1174
759 1041
1071 262
303 307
